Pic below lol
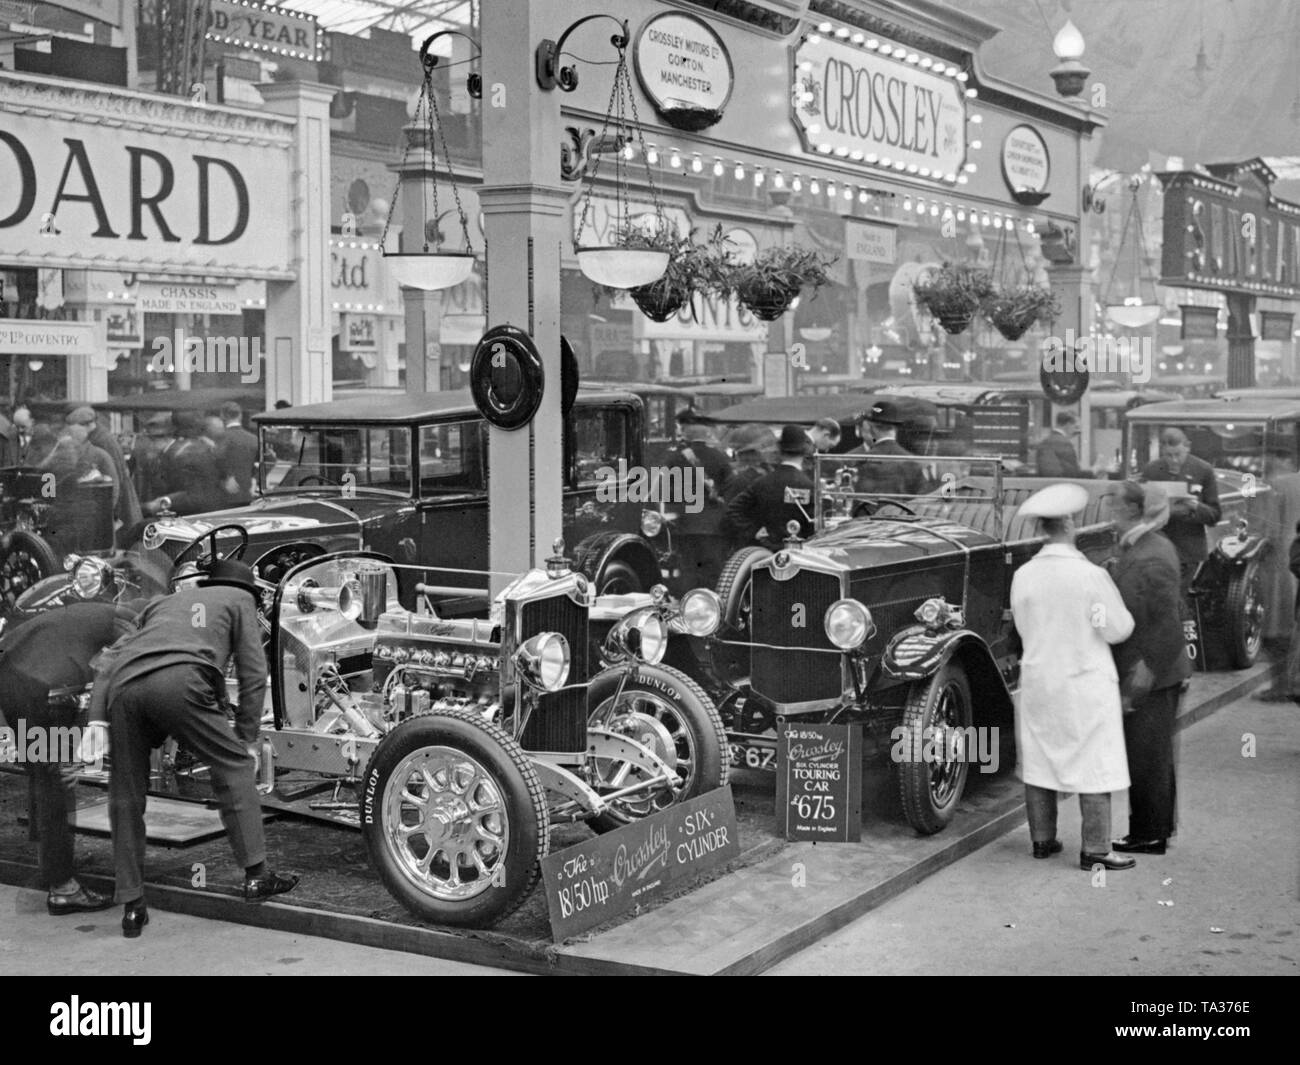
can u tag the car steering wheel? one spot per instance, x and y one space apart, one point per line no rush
870 507
203 552
319 479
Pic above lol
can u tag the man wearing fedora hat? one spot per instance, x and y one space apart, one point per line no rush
1152 663
880 424
1069 724
762 511
168 680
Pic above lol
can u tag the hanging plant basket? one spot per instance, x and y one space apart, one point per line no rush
767 300
955 323
658 301
1012 311
769 284
953 294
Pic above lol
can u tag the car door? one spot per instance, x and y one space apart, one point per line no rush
451 469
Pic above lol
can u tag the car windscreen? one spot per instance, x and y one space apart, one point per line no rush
1245 446
345 457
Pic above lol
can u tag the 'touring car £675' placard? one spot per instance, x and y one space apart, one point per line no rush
819 782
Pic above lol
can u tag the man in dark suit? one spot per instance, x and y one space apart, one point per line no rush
880 424
704 547
148 455
762 511
168 680
1152 663
44 664
237 453
191 480
126 505
1188 515
1055 455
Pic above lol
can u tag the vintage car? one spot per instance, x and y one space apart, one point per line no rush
406 476
1247 440
918 435
467 727
39 527
896 620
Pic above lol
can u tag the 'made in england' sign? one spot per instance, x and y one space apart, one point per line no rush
866 107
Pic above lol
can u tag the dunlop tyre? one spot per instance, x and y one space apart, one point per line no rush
943 698
524 799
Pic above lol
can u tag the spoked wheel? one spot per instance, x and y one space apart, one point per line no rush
25 560
1244 604
934 763
664 710
454 819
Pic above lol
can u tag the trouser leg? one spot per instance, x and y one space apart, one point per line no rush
131 739
1040 805
1096 822
184 703
1149 739
51 791
55 802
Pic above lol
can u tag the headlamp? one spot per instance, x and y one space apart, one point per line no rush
848 624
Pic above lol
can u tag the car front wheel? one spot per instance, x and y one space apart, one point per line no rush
454 819
934 748
25 559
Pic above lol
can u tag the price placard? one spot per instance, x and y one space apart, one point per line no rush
819 782
599 879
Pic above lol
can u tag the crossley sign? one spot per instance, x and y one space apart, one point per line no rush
1225 230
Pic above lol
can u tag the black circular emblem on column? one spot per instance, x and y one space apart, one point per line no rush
568 376
1063 387
506 377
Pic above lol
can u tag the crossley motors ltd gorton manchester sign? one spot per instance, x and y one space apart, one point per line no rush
877 108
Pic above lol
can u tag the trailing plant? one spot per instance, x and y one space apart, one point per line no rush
1013 310
769 284
954 293
693 267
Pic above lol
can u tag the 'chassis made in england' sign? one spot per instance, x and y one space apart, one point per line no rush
599 879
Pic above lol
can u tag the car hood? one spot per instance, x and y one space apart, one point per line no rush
870 542
270 516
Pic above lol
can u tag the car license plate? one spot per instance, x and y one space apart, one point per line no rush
752 756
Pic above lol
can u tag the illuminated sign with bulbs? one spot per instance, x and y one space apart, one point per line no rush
876 103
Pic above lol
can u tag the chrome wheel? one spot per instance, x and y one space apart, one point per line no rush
447 824
655 723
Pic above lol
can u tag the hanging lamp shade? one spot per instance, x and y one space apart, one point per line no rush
1133 313
429 271
622 267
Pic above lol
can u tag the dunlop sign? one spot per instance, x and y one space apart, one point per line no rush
866 107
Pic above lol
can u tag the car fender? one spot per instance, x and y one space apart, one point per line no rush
917 652
1238 551
596 551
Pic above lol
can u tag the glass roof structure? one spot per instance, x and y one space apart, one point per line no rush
419 18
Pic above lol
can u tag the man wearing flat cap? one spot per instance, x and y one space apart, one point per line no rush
1069 724
1152 663
762 511
880 423
168 679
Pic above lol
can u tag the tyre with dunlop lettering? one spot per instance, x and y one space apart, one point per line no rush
934 759
664 710
454 818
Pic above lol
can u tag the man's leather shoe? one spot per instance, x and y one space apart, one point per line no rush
1128 845
133 921
1047 848
1109 860
261 887
83 900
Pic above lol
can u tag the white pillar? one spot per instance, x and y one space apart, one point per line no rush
297 349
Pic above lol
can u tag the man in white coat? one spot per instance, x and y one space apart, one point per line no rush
1069 724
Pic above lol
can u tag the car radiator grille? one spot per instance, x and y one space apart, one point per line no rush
559 721
793 676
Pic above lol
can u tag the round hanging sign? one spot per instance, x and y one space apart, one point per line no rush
568 376
506 377
1063 387
685 69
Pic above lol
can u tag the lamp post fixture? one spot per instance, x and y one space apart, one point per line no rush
1071 75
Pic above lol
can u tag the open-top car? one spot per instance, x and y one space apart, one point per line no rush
406 476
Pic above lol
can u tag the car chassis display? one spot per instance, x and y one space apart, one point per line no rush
467 737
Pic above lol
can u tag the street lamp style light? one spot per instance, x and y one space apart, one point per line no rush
431 270
1071 75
